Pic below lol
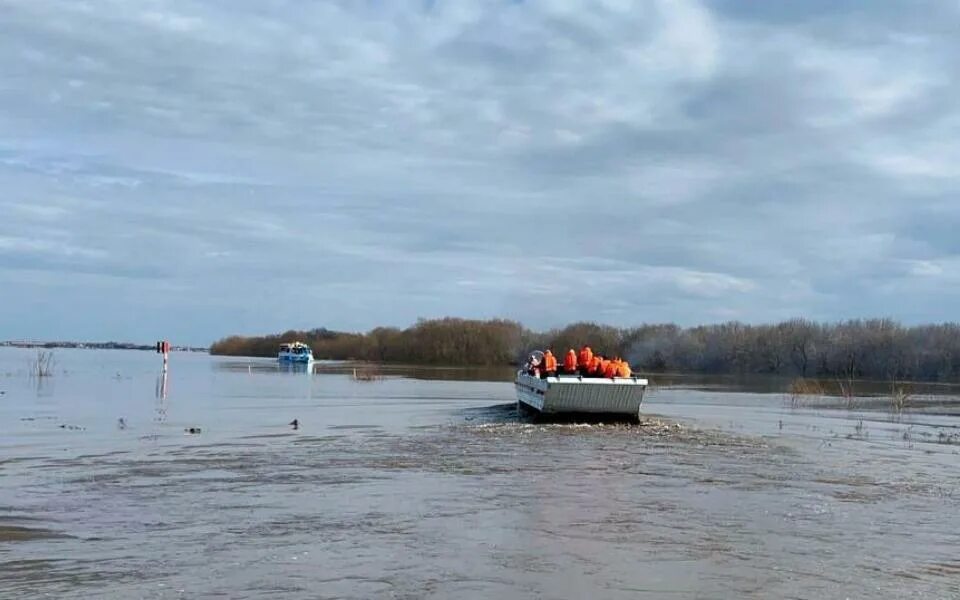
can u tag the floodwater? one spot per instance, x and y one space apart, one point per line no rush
411 487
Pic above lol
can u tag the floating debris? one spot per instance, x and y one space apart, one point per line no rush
948 438
367 375
15 533
73 427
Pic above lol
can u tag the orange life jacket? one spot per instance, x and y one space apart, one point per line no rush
623 369
549 362
608 368
586 356
570 362
594 365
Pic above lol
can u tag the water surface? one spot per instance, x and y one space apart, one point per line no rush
427 486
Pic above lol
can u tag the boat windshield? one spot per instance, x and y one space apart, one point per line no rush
295 349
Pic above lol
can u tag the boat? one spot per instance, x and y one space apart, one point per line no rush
615 397
295 352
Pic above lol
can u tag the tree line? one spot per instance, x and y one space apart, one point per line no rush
871 348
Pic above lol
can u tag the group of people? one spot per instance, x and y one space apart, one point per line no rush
585 363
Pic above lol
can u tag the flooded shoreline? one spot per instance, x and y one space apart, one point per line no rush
412 488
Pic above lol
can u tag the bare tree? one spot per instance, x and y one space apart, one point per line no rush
878 348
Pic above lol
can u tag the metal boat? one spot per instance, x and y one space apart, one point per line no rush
295 352
578 395
573 394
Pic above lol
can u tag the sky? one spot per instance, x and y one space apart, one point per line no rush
189 169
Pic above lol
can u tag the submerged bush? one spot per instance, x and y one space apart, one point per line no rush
43 364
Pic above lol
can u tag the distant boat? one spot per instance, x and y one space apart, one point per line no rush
295 352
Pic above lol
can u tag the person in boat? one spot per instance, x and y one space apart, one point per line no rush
623 369
603 367
594 366
533 365
570 362
610 369
549 364
584 359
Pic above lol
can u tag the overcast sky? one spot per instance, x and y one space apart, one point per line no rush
194 168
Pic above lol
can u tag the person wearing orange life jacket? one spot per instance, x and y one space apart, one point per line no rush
594 366
549 364
584 358
570 362
623 369
616 366
609 368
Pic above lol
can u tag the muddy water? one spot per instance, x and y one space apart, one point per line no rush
430 488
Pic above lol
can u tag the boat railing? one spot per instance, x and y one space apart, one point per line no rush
567 377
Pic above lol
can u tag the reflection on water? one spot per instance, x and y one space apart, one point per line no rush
355 369
161 396
434 488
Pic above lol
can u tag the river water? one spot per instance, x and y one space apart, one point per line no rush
408 487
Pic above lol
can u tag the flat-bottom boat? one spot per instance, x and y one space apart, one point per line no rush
618 397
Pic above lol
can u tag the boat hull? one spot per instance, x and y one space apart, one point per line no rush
295 358
620 397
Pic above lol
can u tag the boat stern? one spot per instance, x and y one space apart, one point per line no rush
616 397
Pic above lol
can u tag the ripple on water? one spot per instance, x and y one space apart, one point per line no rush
492 504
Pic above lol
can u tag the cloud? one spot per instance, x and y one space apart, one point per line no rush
210 167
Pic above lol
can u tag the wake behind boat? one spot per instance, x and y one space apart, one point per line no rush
295 352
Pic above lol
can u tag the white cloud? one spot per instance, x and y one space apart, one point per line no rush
20 245
547 161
